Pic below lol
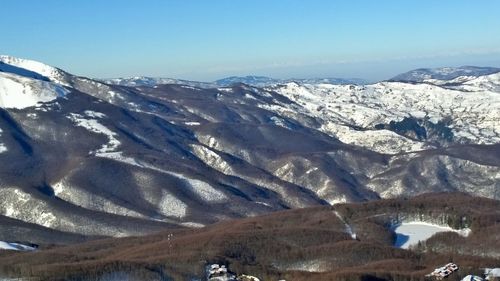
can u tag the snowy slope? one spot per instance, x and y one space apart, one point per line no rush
361 115
15 246
488 82
21 92
53 74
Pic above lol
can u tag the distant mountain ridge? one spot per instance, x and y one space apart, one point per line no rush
443 73
438 76
262 81
144 81
257 81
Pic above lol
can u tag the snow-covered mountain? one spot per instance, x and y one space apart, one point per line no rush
33 69
82 156
444 73
142 81
335 81
262 81
421 116
256 81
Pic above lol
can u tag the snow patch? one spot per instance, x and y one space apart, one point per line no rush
59 188
193 224
279 122
16 202
94 126
172 206
118 156
206 192
167 203
190 88
338 200
202 189
248 96
3 148
94 114
20 92
32 115
227 90
113 95
348 228
212 158
410 233
15 246
264 204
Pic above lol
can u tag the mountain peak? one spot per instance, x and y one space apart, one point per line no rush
32 69
25 83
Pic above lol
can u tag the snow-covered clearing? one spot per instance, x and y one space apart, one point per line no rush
15 246
410 233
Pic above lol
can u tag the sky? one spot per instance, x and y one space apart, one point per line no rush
209 39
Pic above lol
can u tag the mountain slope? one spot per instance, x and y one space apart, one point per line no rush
92 158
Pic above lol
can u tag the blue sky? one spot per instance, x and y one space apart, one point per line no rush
210 39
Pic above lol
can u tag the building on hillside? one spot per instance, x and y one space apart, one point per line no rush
219 273
442 272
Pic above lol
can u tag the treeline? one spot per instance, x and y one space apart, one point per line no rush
457 210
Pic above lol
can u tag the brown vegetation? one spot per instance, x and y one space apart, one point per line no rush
268 246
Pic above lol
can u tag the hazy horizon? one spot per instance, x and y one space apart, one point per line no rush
204 41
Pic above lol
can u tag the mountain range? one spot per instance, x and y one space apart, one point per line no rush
257 81
421 75
85 158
